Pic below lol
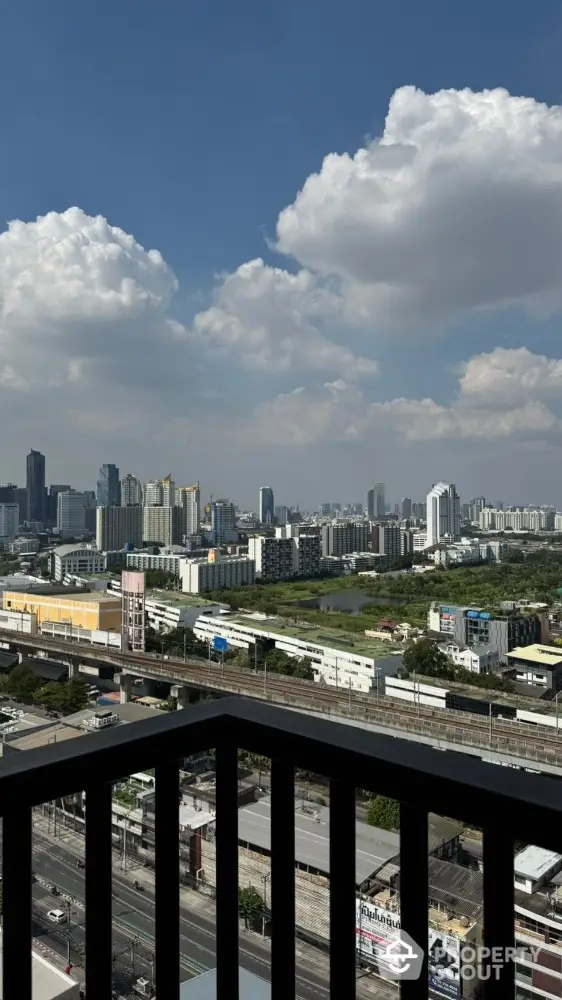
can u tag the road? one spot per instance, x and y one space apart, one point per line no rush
133 914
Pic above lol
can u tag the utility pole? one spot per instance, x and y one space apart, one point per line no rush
265 675
255 657
556 703
184 647
490 724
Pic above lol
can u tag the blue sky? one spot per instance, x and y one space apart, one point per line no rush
191 126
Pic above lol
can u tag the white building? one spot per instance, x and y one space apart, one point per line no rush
518 519
216 573
47 981
168 611
160 492
9 520
275 558
478 660
266 512
340 661
77 560
117 527
166 561
71 513
443 513
189 499
131 491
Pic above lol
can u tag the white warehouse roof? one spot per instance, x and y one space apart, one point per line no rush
48 982
535 862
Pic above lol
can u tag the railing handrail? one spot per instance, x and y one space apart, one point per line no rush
467 789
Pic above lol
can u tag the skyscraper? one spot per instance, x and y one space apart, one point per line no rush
108 488
131 491
406 507
223 522
375 502
266 505
35 483
189 499
443 513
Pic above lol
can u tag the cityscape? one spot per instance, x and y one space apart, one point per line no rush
280 501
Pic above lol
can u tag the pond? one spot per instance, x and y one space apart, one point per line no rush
349 601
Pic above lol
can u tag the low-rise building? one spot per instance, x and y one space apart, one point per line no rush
216 572
536 665
83 610
349 661
66 560
168 610
477 660
472 626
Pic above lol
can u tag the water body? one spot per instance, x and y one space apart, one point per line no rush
348 601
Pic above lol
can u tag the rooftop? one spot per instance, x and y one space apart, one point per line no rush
544 656
72 593
48 982
451 886
65 550
180 599
535 862
318 636
204 986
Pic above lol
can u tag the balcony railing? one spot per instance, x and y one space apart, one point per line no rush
505 803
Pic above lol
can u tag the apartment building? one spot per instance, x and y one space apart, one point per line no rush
223 522
160 492
188 498
275 558
390 542
345 536
308 554
443 513
214 572
162 524
117 527
517 519
9 520
131 491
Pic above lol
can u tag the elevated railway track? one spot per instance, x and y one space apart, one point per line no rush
534 743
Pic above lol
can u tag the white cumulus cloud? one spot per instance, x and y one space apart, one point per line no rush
456 207
272 320
509 375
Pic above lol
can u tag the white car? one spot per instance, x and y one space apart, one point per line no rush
57 916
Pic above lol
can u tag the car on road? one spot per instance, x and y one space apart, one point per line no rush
57 916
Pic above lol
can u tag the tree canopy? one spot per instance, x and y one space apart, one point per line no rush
23 684
384 813
251 905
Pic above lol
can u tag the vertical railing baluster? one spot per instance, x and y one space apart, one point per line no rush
16 901
166 852
342 890
282 880
99 939
499 920
227 870
414 878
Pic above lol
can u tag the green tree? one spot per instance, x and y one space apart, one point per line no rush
22 683
384 813
425 657
250 905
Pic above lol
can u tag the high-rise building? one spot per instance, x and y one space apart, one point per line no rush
341 539
223 522
35 483
308 554
9 520
108 493
375 502
160 492
282 515
162 525
390 542
406 507
275 558
443 513
189 499
266 511
117 527
71 513
131 491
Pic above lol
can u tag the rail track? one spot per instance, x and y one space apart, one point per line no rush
519 739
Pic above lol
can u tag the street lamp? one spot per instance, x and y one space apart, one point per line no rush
265 878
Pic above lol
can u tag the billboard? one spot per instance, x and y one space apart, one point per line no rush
377 928
220 644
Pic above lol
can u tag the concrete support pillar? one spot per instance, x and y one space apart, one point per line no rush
181 694
125 688
73 665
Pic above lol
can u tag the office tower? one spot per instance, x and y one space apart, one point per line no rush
162 525
71 513
108 492
390 542
282 515
443 513
35 484
341 539
266 505
375 502
52 506
131 491
223 522
117 527
9 520
325 509
189 499
406 507
160 492
419 510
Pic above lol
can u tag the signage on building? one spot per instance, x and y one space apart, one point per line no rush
377 928
220 644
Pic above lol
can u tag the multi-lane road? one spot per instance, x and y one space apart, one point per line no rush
133 916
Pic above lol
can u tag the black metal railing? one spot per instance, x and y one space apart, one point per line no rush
505 803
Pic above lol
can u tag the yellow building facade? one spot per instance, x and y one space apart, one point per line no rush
87 610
